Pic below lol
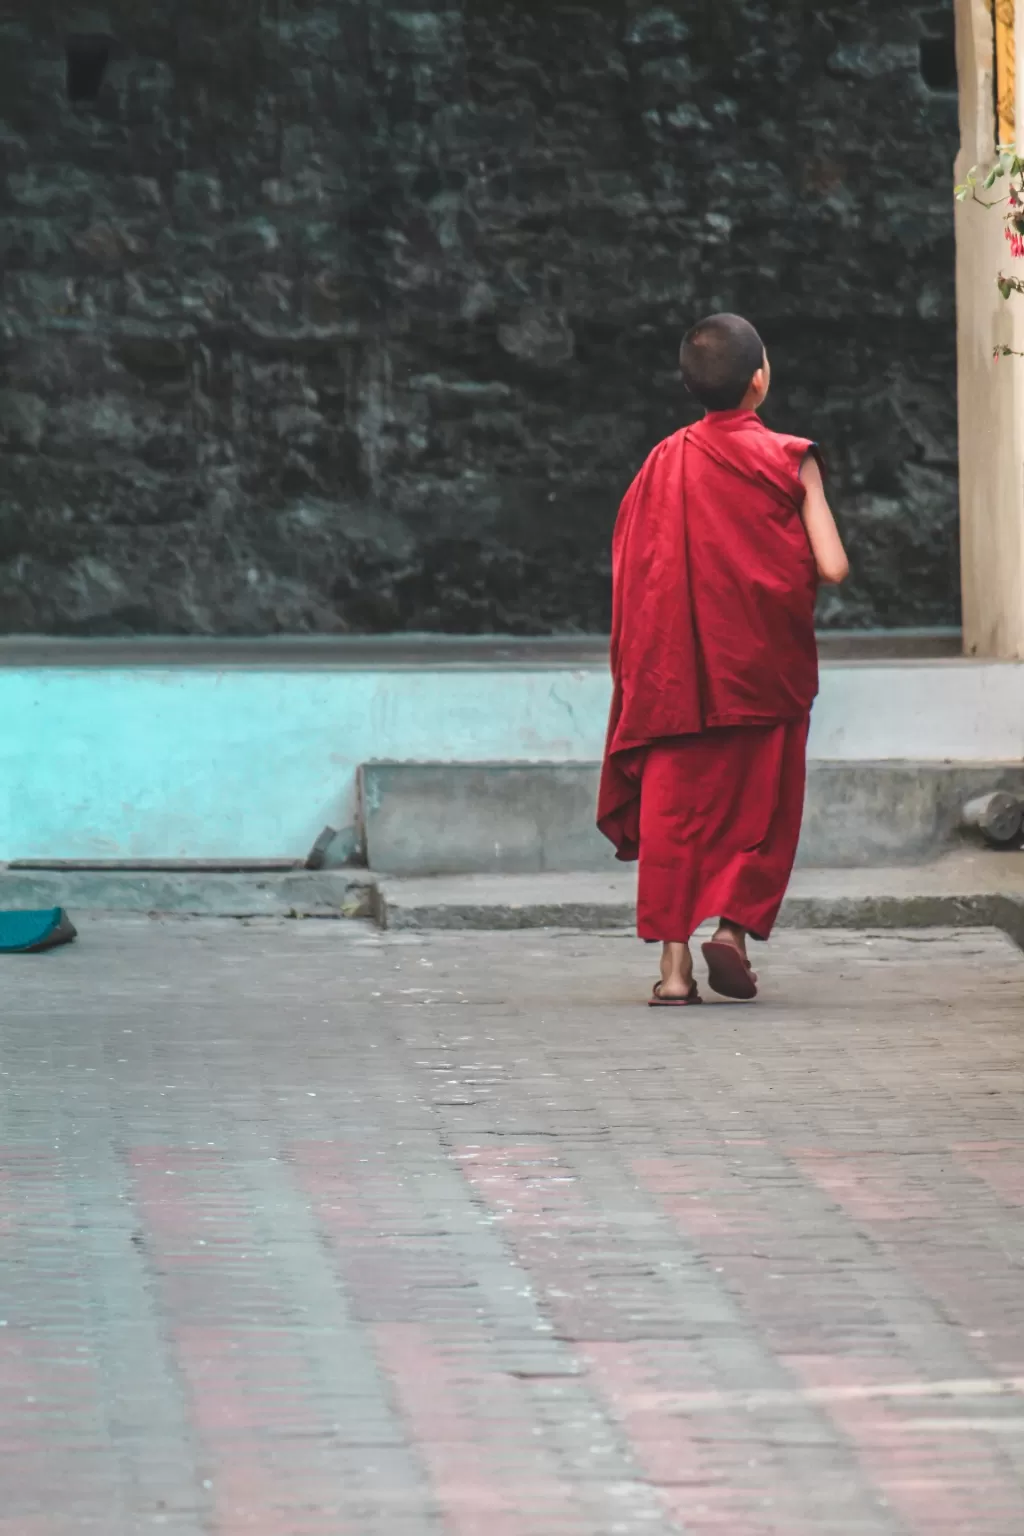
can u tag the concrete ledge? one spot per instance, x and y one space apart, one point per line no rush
980 911
416 652
347 894
501 902
977 890
423 819
861 814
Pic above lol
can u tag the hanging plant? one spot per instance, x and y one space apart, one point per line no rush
1009 166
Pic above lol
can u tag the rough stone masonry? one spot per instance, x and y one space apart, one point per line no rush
357 316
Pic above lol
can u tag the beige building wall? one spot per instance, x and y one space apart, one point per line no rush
991 393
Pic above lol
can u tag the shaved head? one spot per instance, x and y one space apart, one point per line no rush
719 357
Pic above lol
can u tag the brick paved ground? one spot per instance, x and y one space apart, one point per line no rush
308 1231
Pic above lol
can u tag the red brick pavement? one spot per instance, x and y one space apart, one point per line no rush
307 1231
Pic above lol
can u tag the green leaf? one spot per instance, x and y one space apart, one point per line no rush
1005 287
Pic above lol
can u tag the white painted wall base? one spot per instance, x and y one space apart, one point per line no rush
930 711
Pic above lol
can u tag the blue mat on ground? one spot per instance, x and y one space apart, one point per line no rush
27 933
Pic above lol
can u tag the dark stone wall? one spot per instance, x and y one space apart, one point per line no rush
340 315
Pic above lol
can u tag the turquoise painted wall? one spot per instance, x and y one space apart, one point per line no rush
202 763
251 762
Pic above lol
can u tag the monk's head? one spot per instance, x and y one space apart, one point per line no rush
725 365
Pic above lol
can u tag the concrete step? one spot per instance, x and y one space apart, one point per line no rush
982 889
188 893
421 819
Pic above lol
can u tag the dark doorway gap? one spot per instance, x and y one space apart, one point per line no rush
937 52
88 55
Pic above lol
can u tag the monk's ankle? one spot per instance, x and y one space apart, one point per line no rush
676 970
732 933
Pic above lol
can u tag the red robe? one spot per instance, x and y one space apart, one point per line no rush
714 659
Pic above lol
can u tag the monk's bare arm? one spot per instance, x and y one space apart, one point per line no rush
826 545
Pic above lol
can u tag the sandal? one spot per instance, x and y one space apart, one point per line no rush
691 999
729 974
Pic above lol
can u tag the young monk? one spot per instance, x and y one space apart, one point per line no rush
719 548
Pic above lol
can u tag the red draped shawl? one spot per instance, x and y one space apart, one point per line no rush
714 587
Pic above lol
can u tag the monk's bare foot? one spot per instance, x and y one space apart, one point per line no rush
676 971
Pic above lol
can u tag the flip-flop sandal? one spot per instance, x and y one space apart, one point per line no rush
728 973
690 1001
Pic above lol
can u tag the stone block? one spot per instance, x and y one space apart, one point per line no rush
432 819
22 420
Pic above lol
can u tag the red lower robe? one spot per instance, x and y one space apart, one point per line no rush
715 669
